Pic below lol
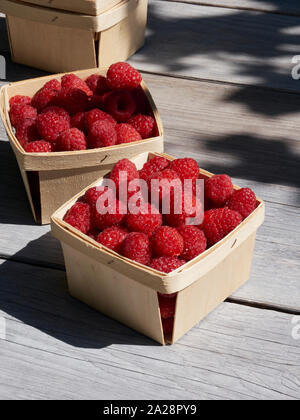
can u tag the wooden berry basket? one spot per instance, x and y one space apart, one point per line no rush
52 178
127 291
61 41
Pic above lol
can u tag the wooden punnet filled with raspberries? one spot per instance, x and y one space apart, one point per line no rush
65 129
158 243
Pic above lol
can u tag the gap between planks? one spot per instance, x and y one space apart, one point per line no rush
236 301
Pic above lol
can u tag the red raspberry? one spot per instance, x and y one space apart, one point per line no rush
166 306
97 83
194 242
97 115
59 111
166 241
44 98
27 132
79 216
144 124
168 181
39 146
141 101
191 208
127 134
156 164
71 81
120 105
19 100
115 213
95 101
102 134
168 325
19 113
243 201
53 84
136 247
93 234
124 165
218 189
166 265
73 100
70 140
218 223
92 194
147 220
78 121
50 125
186 168
123 76
112 238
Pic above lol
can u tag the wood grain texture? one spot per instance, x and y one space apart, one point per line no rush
220 44
255 141
56 347
273 6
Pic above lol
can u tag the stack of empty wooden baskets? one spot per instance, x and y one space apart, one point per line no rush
67 35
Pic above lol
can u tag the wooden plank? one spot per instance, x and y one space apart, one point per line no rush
273 6
220 44
191 130
56 347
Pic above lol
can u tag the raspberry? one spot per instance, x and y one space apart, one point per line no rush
112 238
220 222
136 247
168 181
53 84
73 100
124 165
114 215
78 121
168 325
71 81
166 306
186 168
44 98
20 113
27 132
92 194
146 223
97 115
243 201
144 124
50 125
70 140
102 134
120 105
218 189
191 208
93 234
39 146
123 76
141 101
95 101
156 164
59 111
167 241
194 242
97 84
19 100
166 265
79 216
127 134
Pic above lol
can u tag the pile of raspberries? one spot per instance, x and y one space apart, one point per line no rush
164 242
74 114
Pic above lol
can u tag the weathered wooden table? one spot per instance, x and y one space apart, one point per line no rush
221 76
